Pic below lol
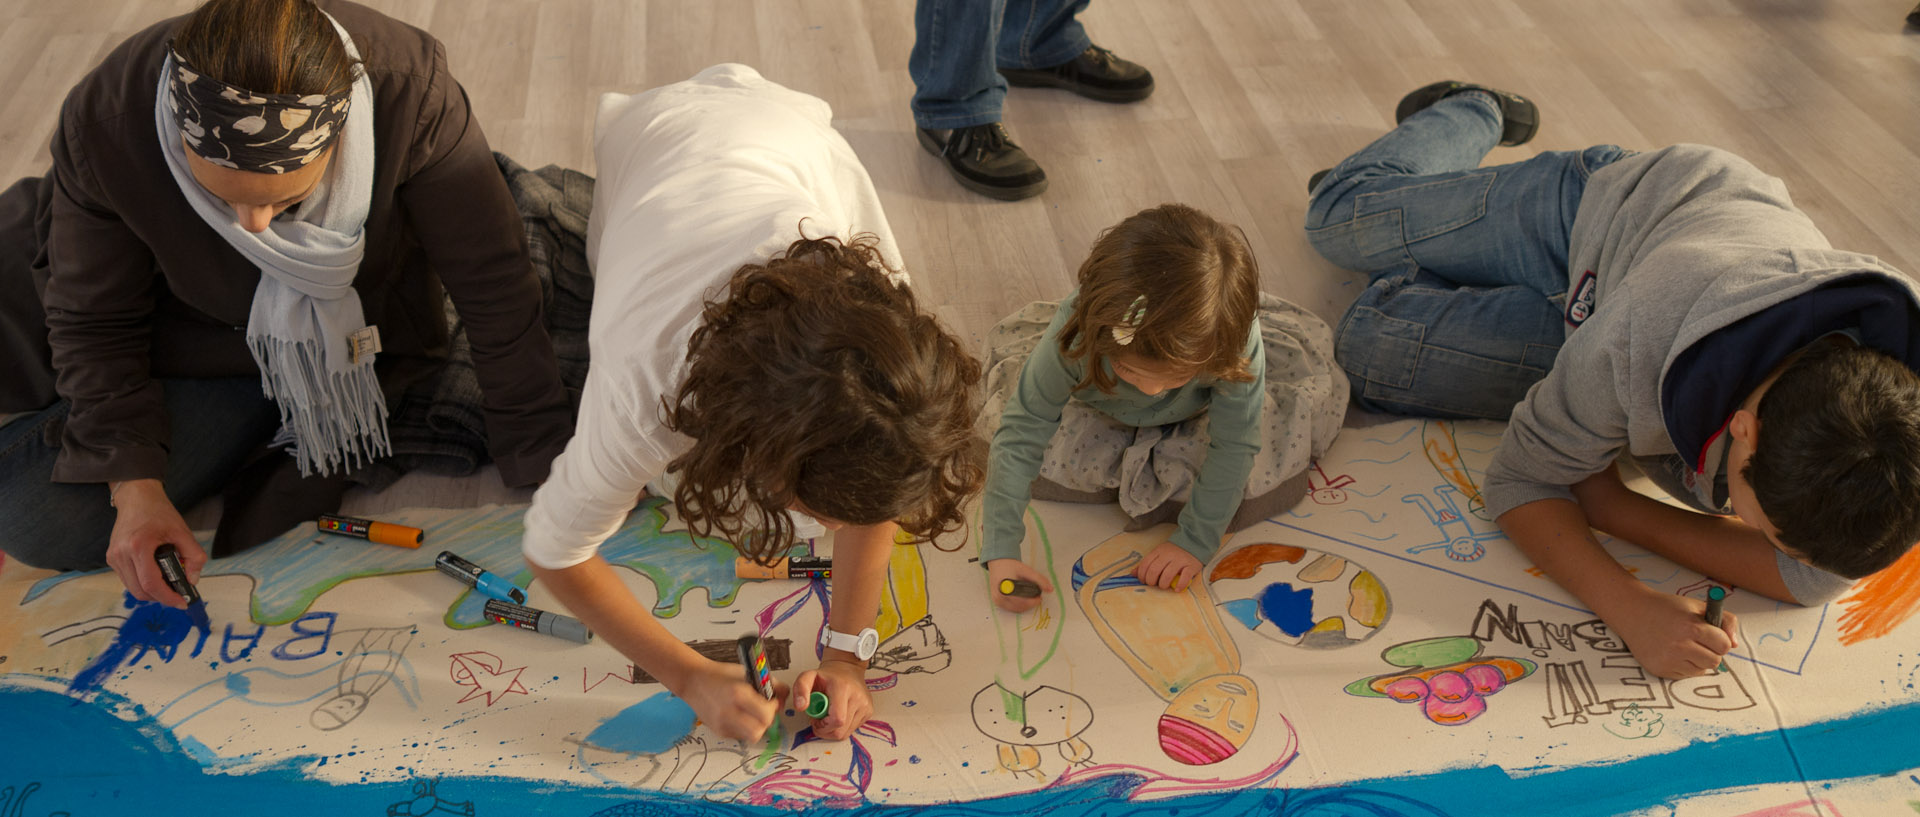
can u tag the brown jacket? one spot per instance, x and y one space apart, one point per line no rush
135 286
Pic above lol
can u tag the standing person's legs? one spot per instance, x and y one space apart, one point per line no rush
1040 33
952 63
1468 264
216 423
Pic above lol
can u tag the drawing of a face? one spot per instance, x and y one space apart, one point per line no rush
1042 717
1209 721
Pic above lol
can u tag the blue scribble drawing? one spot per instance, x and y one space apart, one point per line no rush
377 659
10 807
290 572
1388 538
1457 534
1383 489
1403 435
1369 517
1775 636
1386 462
150 626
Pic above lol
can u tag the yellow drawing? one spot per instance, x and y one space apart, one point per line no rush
1176 644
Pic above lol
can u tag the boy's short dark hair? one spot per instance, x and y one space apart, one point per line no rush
1837 464
815 379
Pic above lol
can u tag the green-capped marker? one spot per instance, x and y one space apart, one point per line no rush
817 705
1715 597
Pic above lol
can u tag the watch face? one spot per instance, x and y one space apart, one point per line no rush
869 641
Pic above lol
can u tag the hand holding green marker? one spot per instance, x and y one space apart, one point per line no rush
1715 597
817 705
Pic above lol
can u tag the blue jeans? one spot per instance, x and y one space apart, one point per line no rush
1468 265
959 45
216 424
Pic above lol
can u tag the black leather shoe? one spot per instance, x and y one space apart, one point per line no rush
985 160
1095 74
1520 118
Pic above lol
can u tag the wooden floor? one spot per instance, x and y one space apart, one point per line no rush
1253 96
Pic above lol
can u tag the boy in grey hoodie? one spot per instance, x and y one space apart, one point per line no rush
1664 305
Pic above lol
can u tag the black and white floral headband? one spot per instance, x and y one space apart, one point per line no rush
260 133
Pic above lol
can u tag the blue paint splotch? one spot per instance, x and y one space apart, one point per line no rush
648 727
150 626
1289 609
144 757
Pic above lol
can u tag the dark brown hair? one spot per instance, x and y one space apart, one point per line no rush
1200 285
266 46
817 380
1837 465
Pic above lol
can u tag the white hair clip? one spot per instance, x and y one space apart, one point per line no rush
1136 314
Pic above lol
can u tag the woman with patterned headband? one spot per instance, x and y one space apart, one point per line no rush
241 248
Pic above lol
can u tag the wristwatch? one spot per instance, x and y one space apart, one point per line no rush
862 645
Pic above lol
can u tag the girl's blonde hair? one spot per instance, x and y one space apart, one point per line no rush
1183 284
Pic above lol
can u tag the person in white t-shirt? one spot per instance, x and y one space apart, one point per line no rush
751 335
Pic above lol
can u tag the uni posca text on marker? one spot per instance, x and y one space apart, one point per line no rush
385 533
478 578
753 658
539 621
168 557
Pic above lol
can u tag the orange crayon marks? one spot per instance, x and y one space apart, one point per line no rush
1882 601
1245 562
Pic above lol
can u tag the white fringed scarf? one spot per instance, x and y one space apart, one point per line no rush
305 309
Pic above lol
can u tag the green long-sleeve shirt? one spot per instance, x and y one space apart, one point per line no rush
1033 413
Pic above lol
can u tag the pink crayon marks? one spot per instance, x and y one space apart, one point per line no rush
1446 676
486 673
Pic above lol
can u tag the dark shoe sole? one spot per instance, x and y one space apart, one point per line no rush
1024 78
1519 117
1313 182
938 150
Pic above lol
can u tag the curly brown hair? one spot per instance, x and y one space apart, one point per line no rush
817 380
1201 287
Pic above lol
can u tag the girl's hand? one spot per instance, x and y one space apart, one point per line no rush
144 520
727 704
1168 567
1014 569
848 703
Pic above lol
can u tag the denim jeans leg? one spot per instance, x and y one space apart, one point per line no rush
1416 343
216 423
1041 33
1418 195
952 63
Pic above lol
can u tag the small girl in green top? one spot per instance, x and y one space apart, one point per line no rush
1166 382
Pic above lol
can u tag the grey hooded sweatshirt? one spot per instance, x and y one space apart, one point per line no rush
1691 275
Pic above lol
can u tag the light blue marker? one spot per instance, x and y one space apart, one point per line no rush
478 578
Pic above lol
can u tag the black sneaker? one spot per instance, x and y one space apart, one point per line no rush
1520 118
1095 74
985 160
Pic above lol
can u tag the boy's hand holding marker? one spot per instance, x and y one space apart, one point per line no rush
1669 634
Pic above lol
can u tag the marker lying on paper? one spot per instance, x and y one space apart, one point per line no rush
1019 587
540 621
479 579
754 659
168 557
1716 596
796 567
385 533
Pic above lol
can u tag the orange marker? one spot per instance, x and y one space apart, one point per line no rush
383 532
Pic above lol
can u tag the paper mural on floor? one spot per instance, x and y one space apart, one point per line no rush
1333 661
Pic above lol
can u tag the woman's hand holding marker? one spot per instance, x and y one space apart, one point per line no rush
144 520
